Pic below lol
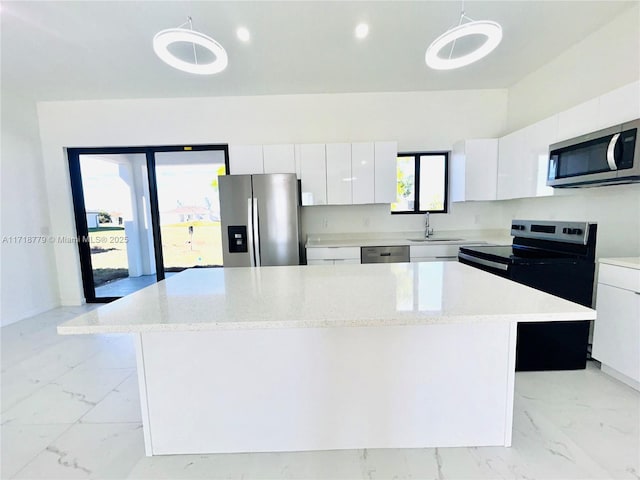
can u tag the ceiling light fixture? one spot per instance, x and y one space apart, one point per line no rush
163 39
491 30
243 34
362 30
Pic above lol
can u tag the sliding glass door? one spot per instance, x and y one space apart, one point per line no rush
143 213
189 208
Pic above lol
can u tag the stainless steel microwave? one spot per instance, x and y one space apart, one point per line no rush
608 156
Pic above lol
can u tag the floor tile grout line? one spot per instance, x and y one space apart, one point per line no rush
51 381
52 442
105 396
44 449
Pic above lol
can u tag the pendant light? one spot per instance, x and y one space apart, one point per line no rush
491 30
163 39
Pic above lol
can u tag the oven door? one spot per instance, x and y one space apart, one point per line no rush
495 266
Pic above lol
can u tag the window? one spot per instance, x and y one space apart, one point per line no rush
422 182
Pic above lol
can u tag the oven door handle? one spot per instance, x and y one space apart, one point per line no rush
482 261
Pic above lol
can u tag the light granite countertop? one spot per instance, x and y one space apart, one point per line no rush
325 296
388 239
628 262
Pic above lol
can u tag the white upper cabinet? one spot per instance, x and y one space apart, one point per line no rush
473 170
313 174
515 177
279 158
362 172
245 159
619 106
385 181
579 120
538 137
339 174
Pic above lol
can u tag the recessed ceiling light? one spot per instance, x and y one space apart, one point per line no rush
243 34
362 30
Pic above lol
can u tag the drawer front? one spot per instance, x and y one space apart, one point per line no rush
433 259
423 251
334 253
621 277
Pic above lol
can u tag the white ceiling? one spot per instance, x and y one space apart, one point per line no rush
58 50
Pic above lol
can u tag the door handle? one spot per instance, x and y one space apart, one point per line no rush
250 242
256 231
611 151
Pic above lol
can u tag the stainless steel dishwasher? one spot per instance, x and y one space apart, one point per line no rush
384 254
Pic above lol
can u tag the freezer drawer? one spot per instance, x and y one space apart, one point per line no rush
384 254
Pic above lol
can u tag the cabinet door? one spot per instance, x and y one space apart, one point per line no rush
385 184
619 106
617 330
338 174
362 173
313 174
512 181
457 172
245 159
579 120
279 158
481 169
538 137
320 262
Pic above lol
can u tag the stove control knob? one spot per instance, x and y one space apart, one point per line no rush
518 227
566 230
577 231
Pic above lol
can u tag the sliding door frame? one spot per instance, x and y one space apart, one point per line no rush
79 208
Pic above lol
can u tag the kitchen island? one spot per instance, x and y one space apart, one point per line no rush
326 357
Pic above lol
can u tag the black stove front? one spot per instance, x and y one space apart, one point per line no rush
557 258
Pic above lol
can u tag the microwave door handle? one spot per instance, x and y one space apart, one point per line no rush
611 157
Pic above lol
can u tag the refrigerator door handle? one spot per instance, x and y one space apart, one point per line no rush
252 259
256 231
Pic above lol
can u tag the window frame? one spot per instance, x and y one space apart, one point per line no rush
416 204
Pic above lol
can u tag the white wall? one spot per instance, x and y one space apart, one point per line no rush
417 120
28 281
605 60
616 209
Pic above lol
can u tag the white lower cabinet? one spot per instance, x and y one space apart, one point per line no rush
616 334
437 253
433 253
333 255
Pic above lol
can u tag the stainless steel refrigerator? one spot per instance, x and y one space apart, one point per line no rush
260 220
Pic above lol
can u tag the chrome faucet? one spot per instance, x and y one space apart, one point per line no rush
427 231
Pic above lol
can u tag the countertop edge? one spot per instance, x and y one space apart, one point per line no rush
197 327
625 262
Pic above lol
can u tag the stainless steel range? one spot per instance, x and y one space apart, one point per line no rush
557 258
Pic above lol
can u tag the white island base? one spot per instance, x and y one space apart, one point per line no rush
298 358
439 385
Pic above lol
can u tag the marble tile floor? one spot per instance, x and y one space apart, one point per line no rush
70 410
